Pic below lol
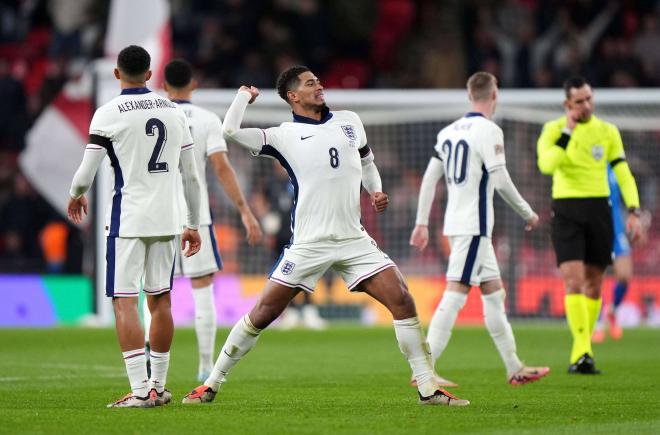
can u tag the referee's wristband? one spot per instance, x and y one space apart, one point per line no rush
635 210
564 138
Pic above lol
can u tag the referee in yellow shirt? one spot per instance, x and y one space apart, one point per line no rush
575 149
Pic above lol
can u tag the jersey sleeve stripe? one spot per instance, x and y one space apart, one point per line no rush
96 139
364 151
93 147
615 162
185 147
483 202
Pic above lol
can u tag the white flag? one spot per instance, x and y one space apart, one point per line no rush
55 143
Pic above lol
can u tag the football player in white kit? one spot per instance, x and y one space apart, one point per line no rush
470 154
147 139
206 129
327 157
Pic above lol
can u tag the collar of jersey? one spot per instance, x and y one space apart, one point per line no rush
181 101
135 91
473 114
325 116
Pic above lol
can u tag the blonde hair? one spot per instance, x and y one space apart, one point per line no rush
480 86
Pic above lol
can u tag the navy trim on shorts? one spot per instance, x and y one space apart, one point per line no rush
172 272
214 245
469 260
483 203
277 262
110 266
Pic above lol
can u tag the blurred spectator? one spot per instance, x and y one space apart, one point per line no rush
23 215
348 43
13 110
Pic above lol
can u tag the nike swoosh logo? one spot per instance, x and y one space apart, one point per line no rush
305 137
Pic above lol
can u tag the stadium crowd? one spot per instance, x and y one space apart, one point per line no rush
366 44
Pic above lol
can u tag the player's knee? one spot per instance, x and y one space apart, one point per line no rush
574 284
264 313
402 304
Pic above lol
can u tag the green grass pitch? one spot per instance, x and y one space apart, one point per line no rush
347 380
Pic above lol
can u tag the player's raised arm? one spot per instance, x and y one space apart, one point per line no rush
250 138
83 178
434 171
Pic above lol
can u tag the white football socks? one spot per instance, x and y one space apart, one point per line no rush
443 322
500 330
205 326
136 368
416 350
240 341
160 362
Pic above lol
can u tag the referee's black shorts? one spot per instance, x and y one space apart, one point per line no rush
582 229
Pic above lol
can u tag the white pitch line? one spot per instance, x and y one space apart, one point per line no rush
60 377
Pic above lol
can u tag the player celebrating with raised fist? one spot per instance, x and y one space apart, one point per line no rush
327 158
470 154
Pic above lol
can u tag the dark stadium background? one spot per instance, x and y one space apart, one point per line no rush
47 264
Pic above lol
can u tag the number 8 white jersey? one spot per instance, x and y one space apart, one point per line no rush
144 135
324 164
470 148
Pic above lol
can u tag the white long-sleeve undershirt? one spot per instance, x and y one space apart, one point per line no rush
84 176
507 190
371 177
501 181
250 138
434 171
191 187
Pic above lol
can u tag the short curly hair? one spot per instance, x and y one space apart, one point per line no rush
133 61
289 80
178 73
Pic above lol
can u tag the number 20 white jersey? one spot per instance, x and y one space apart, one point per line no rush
470 148
144 135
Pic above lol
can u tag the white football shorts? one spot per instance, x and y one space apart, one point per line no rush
129 260
355 259
205 262
472 260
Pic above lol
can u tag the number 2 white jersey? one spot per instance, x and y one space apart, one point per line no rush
470 148
325 168
206 129
144 135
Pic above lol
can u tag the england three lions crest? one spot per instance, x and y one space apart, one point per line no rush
349 132
287 267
